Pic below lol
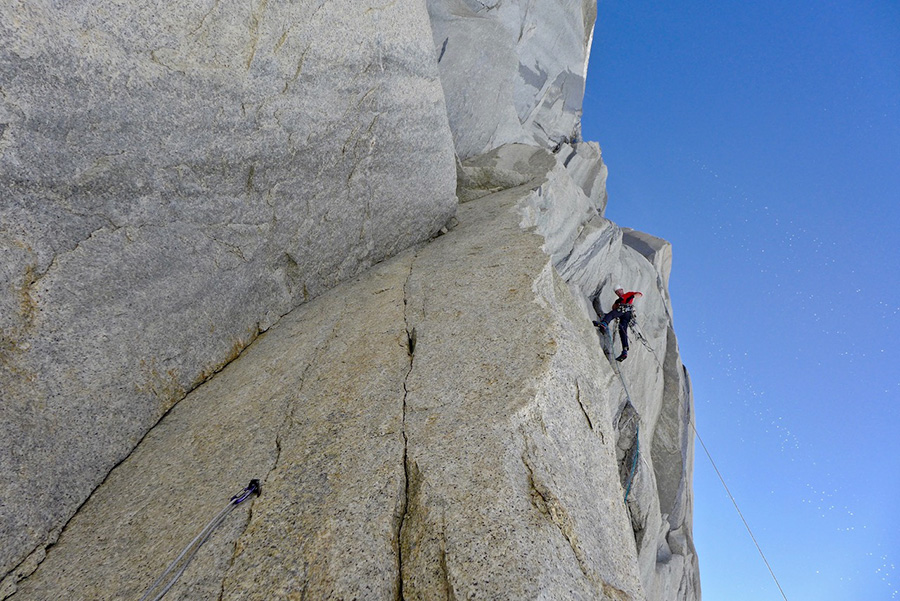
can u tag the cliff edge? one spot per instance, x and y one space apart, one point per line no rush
230 253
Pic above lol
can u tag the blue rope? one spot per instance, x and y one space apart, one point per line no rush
637 451
609 335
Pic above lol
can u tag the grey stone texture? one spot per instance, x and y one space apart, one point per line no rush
314 409
656 250
510 446
183 188
512 70
445 426
584 164
175 177
594 256
437 428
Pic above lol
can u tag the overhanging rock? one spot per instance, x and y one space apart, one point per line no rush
594 256
512 70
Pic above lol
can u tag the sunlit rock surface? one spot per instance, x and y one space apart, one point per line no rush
443 424
512 70
654 414
595 256
440 425
175 177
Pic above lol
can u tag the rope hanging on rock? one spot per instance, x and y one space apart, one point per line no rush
636 330
610 337
185 557
634 462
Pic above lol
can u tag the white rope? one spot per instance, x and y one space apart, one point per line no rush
640 336
706 450
193 547
187 554
746 525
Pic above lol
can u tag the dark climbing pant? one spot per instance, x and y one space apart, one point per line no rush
624 318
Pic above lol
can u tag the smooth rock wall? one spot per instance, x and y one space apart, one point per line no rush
512 70
175 177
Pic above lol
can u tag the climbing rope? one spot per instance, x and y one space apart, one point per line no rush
730 496
634 462
636 330
610 339
643 340
185 557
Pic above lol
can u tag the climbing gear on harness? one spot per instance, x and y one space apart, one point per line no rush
636 330
185 557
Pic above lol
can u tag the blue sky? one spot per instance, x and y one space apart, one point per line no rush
763 140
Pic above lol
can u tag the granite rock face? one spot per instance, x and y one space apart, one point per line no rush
654 414
175 177
185 187
445 426
512 70
437 428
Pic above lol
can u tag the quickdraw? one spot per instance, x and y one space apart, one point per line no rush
185 557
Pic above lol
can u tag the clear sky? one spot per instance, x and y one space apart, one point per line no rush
763 140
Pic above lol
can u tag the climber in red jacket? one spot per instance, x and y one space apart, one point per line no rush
623 310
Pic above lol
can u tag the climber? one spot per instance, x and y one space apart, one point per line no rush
623 310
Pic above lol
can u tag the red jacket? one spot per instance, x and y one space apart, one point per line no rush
626 299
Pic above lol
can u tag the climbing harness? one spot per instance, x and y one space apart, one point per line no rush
188 553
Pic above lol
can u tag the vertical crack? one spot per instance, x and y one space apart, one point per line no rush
404 510
552 507
583 410
285 424
405 503
237 539
255 20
